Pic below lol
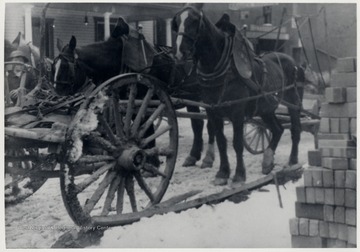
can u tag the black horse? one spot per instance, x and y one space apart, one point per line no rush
229 71
100 61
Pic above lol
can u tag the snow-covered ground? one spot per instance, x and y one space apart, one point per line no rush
258 222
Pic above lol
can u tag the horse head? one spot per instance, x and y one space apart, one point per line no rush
98 61
186 23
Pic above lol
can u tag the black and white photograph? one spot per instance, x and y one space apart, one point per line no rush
174 125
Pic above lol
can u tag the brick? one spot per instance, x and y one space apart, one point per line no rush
352 164
333 136
344 125
325 125
324 229
333 230
317 177
300 194
335 243
307 178
339 179
346 65
353 126
339 196
310 211
352 235
310 195
319 195
298 241
350 198
314 157
327 143
329 196
313 227
335 125
303 226
328 178
328 213
335 163
350 216
351 93
338 110
335 95
343 80
345 152
294 226
339 214
350 179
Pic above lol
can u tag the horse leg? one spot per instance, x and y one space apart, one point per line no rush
238 126
197 126
295 135
277 130
210 152
224 170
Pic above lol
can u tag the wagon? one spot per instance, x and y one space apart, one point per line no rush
110 167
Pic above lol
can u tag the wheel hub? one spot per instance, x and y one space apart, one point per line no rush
132 158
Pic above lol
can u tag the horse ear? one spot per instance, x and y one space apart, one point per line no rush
16 41
121 28
59 44
72 43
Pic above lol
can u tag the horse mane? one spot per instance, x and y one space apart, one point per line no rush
101 56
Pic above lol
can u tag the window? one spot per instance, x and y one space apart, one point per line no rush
99 27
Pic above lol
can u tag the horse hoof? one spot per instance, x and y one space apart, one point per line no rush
220 181
206 164
189 161
238 180
267 169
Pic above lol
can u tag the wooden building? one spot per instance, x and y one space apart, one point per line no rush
91 22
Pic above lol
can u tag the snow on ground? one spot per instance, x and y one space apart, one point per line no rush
258 222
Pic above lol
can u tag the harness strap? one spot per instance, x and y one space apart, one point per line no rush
222 66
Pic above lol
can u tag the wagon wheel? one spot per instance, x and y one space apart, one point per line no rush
21 180
118 173
256 136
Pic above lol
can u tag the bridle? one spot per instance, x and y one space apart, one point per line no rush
73 64
195 38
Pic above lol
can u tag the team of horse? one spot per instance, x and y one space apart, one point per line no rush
226 74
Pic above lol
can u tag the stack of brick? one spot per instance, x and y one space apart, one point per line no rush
326 203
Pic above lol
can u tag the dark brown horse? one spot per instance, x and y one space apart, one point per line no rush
100 61
229 71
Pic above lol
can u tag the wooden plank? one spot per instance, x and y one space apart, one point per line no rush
129 218
43 134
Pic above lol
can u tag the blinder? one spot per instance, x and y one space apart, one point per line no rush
72 63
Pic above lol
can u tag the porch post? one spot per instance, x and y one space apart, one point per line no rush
107 25
168 32
28 22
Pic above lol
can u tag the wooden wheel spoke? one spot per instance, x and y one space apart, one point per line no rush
93 177
141 113
151 119
130 108
253 137
88 159
267 136
258 139
158 133
152 169
110 195
263 140
144 186
130 189
118 118
120 195
90 203
100 142
107 129
249 132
